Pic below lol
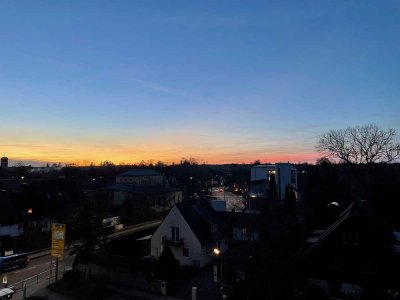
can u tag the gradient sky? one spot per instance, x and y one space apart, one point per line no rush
221 81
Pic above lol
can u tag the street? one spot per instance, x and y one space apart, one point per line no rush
41 266
36 266
233 201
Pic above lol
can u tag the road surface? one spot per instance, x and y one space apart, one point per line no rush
233 201
37 273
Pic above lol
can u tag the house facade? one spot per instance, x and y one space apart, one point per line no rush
146 188
284 173
141 177
191 231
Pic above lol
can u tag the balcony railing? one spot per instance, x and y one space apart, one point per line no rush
166 240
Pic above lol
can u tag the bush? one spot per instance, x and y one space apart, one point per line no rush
71 278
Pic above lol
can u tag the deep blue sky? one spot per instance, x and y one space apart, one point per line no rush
222 81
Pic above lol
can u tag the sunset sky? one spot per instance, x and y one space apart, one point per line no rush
220 81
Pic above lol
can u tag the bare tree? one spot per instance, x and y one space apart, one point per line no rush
361 144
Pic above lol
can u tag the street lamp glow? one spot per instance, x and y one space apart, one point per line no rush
217 251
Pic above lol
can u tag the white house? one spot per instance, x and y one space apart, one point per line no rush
146 187
285 174
192 231
141 177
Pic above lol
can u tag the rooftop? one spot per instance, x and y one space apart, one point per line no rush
139 172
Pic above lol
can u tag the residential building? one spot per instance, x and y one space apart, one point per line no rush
141 177
146 188
284 174
4 162
357 252
193 229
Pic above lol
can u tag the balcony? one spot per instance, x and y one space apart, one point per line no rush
166 240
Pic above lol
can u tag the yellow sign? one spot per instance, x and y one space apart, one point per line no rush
57 240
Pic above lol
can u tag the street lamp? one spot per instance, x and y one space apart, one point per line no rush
217 266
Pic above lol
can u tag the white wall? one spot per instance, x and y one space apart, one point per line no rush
260 172
285 174
142 180
175 218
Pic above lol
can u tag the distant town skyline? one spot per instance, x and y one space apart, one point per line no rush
219 81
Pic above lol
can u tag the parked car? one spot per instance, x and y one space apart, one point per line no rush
6 293
14 261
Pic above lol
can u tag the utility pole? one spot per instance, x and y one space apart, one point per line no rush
56 269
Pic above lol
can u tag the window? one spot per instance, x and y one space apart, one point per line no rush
185 252
333 261
350 237
196 263
370 266
175 233
244 231
214 228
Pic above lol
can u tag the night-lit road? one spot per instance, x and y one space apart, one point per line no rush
37 273
37 266
233 201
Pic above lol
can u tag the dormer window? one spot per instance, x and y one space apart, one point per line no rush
214 228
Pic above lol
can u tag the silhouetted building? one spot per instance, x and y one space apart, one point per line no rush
193 229
146 189
356 254
285 174
4 162
141 177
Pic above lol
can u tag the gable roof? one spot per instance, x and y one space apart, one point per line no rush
355 209
139 172
200 216
342 217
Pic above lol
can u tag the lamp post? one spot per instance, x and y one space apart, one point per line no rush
191 186
218 269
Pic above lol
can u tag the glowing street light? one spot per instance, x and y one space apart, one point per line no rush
217 251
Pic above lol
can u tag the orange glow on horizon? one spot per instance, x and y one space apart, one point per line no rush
168 149
212 159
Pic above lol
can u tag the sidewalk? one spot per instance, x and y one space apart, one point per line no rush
39 253
130 292
45 292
